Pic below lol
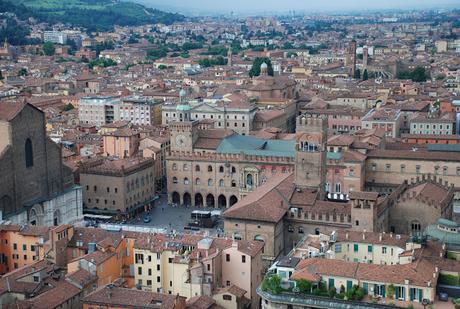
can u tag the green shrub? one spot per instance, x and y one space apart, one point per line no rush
304 286
449 279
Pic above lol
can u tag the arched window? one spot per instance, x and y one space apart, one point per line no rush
209 168
221 169
185 181
185 167
338 187
174 167
29 153
197 181
175 180
233 169
210 182
197 168
221 183
233 183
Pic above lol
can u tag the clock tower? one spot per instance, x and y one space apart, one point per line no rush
183 135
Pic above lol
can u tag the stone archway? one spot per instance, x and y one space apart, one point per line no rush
233 200
210 202
187 199
175 198
222 201
198 200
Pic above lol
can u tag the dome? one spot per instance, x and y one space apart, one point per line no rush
263 65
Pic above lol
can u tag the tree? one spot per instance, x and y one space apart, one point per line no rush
22 72
48 49
357 74
68 107
272 283
365 75
255 70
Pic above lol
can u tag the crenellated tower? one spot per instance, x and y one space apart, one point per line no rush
310 157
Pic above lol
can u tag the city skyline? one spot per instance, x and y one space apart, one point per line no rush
300 6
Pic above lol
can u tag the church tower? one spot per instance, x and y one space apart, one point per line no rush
310 155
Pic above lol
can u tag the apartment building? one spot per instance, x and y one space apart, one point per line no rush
139 111
385 118
191 265
21 245
98 110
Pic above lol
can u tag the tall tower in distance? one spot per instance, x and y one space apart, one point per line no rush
229 57
365 57
310 155
350 58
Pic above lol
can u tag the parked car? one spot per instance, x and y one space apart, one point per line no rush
443 296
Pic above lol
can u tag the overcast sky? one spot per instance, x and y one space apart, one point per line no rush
266 6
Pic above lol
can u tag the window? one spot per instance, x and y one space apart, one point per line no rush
158 267
174 180
197 168
403 168
29 153
243 259
170 260
233 170
338 248
149 282
233 183
369 248
210 182
338 187
221 183
387 167
15 246
458 171
355 247
32 248
197 181
221 169
227 297
300 230
186 181
417 169
149 271
139 270
158 279
444 170
209 168
384 250
174 167
227 257
139 258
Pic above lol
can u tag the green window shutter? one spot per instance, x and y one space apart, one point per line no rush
349 285
356 247
365 287
369 248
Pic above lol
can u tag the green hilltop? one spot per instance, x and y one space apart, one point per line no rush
91 14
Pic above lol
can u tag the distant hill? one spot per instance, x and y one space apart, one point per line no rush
91 14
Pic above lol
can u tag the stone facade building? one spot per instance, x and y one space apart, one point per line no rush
35 187
119 187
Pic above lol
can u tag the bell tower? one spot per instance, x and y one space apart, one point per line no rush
310 155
